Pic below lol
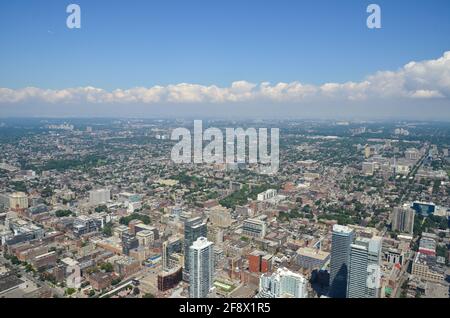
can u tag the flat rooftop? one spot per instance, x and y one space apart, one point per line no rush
9 281
313 253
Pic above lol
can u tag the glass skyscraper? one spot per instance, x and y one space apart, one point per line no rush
341 240
364 268
193 229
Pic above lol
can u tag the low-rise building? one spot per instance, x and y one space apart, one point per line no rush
100 280
312 258
126 266
170 278
425 267
254 228
45 260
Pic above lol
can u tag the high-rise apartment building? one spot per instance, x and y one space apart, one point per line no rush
402 219
364 268
201 264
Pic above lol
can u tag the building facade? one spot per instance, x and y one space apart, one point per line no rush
403 220
254 228
283 284
201 263
364 268
193 229
342 238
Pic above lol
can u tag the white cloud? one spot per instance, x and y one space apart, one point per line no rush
424 93
416 80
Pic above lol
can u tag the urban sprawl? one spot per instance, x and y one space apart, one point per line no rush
96 208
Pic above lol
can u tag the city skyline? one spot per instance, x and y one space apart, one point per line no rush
97 208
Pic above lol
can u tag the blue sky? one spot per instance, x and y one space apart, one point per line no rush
124 44
314 58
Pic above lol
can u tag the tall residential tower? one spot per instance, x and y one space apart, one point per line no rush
201 264
342 238
364 274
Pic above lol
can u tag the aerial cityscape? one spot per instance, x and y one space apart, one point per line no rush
96 208
177 170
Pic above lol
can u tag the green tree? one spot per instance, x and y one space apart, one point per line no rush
107 230
63 213
107 267
47 192
15 260
29 268
101 208
19 186
115 281
70 291
135 216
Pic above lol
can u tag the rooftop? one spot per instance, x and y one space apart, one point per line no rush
9 281
341 229
313 253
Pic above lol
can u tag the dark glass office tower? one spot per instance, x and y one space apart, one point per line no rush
341 241
193 229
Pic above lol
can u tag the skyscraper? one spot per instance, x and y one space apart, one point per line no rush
403 219
364 268
342 238
201 264
373 267
193 229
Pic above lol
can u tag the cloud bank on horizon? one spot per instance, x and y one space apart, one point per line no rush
428 79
